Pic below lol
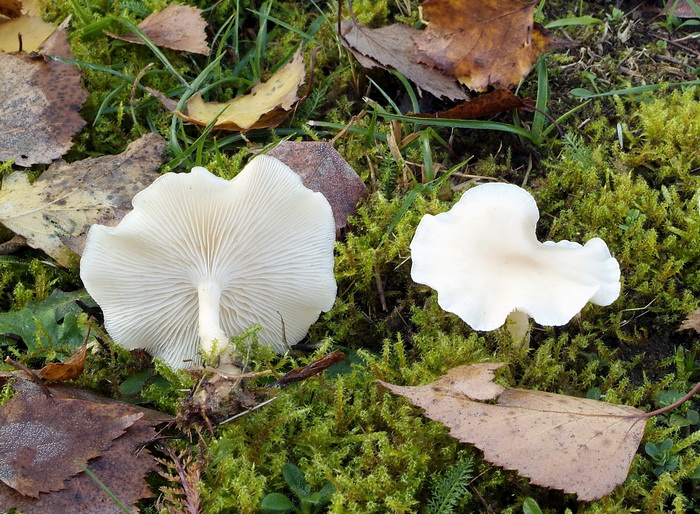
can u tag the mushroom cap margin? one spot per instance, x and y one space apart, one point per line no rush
264 235
483 258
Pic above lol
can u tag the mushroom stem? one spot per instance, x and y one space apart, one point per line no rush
209 293
518 325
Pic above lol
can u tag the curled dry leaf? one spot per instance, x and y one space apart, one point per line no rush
178 27
310 370
487 104
323 169
578 445
266 106
55 212
70 369
482 42
392 48
39 103
43 438
10 8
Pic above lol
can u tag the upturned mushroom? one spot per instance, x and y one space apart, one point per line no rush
484 260
201 259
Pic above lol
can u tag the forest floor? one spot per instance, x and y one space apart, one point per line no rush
610 150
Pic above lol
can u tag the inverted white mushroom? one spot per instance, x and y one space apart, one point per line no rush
484 260
201 259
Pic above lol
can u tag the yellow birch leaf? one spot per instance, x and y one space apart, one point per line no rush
34 31
266 106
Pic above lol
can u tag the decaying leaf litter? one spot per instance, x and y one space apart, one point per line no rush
439 47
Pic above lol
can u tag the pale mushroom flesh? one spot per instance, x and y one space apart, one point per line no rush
201 259
485 261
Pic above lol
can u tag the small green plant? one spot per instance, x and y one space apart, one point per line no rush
530 506
451 487
673 418
662 456
309 502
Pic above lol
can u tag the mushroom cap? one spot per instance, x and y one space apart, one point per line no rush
484 260
263 237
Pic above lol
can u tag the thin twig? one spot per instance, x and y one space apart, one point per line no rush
34 377
241 414
667 408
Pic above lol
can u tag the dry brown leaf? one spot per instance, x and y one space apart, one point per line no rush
484 105
70 369
39 103
680 8
42 439
266 106
323 169
11 8
577 445
122 468
692 322
55 212
392 48
179 27
126 452
482 42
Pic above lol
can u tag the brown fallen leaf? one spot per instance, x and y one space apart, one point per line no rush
487 104
55 212
680 9
310 370
578 445
70 369
39 103
392 48
178 27
122 468
323 169
81 493
11 8
692 322
482 42
42 439
266 106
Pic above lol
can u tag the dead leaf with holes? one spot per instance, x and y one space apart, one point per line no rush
80 493
482 42
39 103
178 27
323 169
55 212
578 445
692 322
392 48
266 106
42 440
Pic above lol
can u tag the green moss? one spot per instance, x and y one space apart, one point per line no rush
6 392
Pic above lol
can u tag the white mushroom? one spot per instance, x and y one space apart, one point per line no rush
201 259
484 260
